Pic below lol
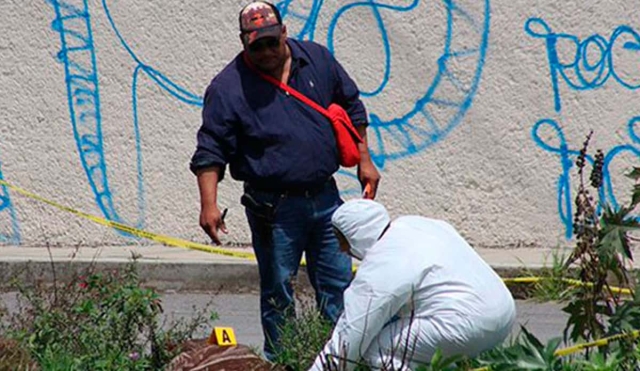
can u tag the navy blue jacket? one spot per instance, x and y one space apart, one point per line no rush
271 139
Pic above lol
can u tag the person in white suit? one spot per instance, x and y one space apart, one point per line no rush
420 287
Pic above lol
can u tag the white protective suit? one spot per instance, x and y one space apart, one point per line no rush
459 303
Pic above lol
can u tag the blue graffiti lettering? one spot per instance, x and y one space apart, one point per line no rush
584 71
567 156
617 151
564 180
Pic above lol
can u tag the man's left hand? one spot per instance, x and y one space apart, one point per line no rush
369 178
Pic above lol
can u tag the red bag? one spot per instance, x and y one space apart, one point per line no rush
347 137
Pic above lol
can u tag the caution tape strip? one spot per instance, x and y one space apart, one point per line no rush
597 343
167 240
572 282
580 347
177 242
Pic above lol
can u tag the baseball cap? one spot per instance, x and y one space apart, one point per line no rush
259 19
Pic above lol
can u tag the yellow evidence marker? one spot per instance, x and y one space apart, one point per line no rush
222 336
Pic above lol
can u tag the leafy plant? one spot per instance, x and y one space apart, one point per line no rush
626 316
601 252
526 353
441 363
303 336
601 362
97 321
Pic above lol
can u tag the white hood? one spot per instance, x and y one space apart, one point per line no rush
362 222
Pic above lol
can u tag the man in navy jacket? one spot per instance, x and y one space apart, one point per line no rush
285 153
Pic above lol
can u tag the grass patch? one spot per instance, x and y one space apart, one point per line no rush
95 321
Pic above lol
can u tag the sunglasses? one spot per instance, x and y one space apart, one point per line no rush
266 43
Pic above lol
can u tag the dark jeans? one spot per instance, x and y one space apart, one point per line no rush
299 223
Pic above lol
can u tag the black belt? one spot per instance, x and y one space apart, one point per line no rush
298 191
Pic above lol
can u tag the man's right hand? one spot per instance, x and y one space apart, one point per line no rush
211 221
210 216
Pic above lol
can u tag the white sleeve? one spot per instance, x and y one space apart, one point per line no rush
376 294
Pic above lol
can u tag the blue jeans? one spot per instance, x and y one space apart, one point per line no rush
298 224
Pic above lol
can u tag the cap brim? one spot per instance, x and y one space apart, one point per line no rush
270 31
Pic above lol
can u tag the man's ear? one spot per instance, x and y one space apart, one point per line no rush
284 31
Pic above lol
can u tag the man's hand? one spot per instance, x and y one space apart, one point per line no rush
369 178
367 173
211 221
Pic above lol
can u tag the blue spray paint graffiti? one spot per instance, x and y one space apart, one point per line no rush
616 152
78 56
294 11
568 156
159 78
73 23
581 73
6 208
396 138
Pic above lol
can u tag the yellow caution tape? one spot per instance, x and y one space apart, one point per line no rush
615 290
172 241
580 347
167 240
596 343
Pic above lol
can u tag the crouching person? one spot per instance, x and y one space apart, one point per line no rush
420 287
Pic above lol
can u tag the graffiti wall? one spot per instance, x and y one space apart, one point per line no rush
477 110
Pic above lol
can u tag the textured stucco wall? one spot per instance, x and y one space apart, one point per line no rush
474 105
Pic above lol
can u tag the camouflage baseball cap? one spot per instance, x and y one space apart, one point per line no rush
259 19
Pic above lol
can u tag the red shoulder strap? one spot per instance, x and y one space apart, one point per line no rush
287 88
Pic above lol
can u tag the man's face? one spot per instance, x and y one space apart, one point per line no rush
268 53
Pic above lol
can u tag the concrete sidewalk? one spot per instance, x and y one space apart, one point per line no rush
174 268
